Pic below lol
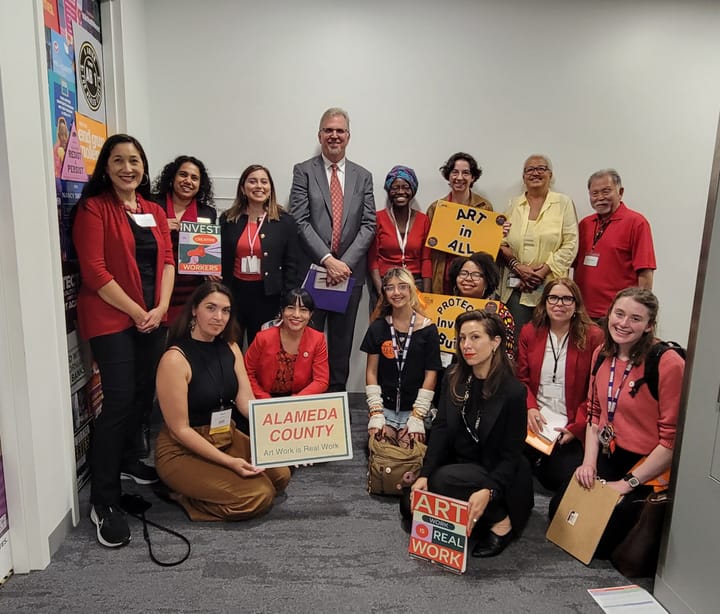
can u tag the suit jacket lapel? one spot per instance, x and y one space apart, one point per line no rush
322 181
349 189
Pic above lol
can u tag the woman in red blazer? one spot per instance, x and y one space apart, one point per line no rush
127 271
290 358
554 362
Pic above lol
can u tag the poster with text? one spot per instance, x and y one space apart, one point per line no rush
68 17
91 136
463 230
89 74
69 193
50 15
62 57
439 530
62 112
444 309
89 17
199 249
294 430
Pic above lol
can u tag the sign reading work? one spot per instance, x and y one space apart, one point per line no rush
463 230
296 430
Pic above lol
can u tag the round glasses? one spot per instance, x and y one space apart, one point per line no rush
399 288
554 299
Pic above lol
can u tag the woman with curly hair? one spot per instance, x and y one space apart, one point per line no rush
184 189
461 171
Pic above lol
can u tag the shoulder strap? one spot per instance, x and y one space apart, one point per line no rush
598 361
651 374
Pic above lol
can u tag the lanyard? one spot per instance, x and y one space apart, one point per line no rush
402 240
251 240
558 354
612 400
400 357
463 410
599 230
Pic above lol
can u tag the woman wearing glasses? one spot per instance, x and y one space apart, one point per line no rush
554 362
542 241
475 453
477 276
400 236
403 349
461 171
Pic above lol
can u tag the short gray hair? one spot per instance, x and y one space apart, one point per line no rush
548 162
334 112
606 172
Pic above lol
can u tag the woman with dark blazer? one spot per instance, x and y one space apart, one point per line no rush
184 190
259 250
475 453
290 358
554 362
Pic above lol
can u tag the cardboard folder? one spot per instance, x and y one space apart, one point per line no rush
581 519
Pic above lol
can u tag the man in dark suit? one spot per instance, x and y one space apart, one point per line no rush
332 201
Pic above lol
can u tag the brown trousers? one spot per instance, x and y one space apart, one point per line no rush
209 491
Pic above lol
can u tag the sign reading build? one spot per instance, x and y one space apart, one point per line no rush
463 230
295 430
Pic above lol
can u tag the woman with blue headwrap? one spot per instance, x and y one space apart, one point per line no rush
401 234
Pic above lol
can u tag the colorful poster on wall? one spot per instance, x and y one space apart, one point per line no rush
62 57
463 230
89 17
91 136
68 16
89 75
68 194
50 15
62 111
73 166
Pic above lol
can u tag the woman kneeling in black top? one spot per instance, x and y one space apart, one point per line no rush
476 450
201 380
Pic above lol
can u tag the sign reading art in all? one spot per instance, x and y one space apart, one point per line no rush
443 309
463 230
296 430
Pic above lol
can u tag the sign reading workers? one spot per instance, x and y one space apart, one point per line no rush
199 249
463 230
295 430
444 310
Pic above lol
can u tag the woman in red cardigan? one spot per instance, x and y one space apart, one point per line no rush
554 362
126 266
290 358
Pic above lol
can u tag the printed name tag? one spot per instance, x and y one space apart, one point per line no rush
220 421
591 259
144 220
513 282
250 264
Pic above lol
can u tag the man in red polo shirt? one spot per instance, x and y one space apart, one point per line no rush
615 246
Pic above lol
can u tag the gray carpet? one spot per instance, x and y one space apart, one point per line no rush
327 547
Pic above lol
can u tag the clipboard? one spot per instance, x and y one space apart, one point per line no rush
581 518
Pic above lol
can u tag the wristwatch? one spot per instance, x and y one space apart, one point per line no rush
632 480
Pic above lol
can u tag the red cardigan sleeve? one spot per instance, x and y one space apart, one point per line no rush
254 356
525 342
89 239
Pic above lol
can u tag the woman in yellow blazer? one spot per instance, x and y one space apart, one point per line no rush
542 241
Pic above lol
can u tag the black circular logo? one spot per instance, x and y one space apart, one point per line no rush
90 76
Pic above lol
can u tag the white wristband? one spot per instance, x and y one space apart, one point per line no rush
421 407
377 421
415 425
373 395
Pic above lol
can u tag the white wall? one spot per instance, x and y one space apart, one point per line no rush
593 84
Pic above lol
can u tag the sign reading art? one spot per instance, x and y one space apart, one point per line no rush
444 309
463 230
295 430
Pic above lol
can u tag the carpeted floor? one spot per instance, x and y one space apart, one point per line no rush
327 547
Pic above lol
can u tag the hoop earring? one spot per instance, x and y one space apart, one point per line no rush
193 323
145 179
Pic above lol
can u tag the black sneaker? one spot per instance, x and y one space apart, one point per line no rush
112 528
140 473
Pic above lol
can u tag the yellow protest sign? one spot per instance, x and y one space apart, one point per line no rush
444 309
295 430
463 230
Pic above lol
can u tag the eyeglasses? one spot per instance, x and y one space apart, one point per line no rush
554 299
535 169
605 192
398 288
456 173
474 275
338 131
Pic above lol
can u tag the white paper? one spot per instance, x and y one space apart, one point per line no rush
629 599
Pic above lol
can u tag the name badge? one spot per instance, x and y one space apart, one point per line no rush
220 421
203 220
552 391
250 264
513 282
591 259
144 220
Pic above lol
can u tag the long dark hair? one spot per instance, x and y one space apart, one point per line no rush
164 183
643 345
580 323
182 326
500 365
99 182
240 204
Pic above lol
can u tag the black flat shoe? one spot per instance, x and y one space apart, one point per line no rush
492 544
